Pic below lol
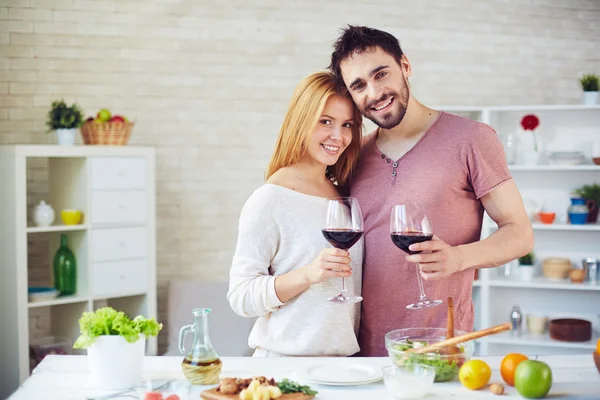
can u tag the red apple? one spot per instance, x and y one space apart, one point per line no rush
533 379
90 119
117 118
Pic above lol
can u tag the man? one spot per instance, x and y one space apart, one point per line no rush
454 166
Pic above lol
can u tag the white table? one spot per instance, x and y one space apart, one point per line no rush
66 377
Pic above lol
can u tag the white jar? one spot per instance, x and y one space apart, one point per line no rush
43 214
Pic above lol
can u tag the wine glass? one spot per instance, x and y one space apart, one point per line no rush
409 224
343 228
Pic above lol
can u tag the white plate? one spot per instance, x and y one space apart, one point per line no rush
340 374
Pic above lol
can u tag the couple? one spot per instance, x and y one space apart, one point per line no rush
282 273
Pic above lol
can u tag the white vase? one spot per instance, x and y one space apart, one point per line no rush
66 137
43 215
530 157
590 98
116 364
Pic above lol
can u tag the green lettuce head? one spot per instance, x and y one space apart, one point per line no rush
108 321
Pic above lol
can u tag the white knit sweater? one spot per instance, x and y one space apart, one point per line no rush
280 230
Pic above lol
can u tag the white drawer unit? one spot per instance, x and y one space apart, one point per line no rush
118 277
110 173
119 244
119 207
114 245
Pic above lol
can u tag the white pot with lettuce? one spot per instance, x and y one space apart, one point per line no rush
115 346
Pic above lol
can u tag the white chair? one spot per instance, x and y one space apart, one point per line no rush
228 331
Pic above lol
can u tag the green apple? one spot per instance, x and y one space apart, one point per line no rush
533 379
103 115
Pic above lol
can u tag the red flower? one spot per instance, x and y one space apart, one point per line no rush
530 122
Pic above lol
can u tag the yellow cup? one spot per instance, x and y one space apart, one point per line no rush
71 217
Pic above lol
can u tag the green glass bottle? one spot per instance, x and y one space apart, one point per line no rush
65 268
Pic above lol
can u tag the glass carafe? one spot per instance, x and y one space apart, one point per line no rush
201 365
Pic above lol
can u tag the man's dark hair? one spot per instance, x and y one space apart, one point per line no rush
356 39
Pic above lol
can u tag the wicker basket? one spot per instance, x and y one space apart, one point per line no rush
106 133
556 268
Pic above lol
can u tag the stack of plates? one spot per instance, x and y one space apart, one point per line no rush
38 294
566 158
340 374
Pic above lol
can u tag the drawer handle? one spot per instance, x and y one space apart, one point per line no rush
121 174
122 244
121 207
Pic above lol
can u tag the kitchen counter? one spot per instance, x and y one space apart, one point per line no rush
66 377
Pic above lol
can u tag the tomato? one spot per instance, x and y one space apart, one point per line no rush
509 365
474 374
153 396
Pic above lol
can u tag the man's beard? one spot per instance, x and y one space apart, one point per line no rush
393 117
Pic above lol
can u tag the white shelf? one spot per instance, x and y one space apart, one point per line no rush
56 228
118 295
555 168
60 300
527 339
565 227
543 283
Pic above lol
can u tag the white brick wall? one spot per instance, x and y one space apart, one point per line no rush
208 83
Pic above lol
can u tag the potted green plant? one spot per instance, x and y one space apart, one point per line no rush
65 121
590 84
115 345
591 193
526 266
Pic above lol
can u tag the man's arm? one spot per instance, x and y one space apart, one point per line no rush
513 239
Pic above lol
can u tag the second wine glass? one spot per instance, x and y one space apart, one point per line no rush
408 225
343 228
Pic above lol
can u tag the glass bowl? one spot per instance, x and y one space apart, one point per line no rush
163 389
411 381
447 366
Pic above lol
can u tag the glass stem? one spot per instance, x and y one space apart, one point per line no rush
344 285
420 280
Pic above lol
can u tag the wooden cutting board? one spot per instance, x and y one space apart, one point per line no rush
212 394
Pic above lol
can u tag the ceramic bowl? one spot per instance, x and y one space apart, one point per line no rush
547 217
71 217
412 381
447 366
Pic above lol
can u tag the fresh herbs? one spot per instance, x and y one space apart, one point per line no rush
108 321
287 386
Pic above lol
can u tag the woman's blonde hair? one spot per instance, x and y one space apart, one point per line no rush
305 109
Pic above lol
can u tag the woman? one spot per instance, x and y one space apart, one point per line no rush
281 271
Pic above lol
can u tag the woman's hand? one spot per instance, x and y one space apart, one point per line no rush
330 263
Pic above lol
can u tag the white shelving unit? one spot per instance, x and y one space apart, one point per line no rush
114 246
562 128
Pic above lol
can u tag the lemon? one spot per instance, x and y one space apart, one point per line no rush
474 374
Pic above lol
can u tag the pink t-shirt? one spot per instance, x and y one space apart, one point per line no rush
455 163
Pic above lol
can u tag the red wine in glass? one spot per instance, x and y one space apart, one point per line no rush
343 228
342 238
403 240
409 225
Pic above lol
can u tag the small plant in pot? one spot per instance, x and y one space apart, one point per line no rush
590 84
65 121
591 194
526 266
115 345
